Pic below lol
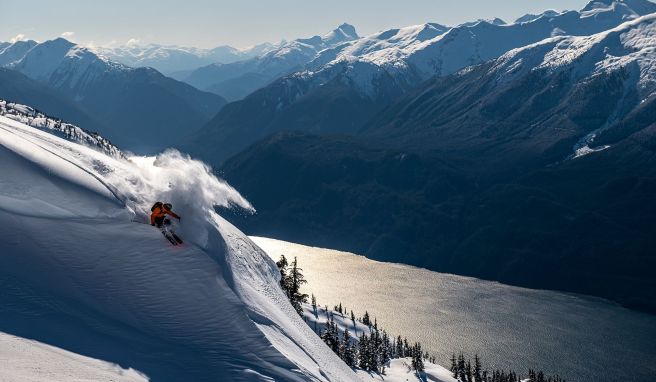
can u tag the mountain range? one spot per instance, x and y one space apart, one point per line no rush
492 149
236 80
343 87
522 169
139 108
178 61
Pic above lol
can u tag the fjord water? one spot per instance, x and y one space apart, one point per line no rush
580 338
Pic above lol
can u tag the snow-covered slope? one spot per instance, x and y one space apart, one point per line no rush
31 361
31 117
79 270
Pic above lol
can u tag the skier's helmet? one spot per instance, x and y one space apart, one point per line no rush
168 206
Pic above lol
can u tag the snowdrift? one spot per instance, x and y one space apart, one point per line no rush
82 271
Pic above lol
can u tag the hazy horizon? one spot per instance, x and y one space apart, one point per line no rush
207 24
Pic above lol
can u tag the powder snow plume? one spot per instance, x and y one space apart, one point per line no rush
171 177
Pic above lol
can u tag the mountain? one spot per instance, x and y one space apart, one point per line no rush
307 101
169 59
494 21
236 80
141 109
10 53
553 98
19 88
531 17
534 169
81 272
346 86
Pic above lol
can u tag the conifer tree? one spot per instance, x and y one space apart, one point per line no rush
348 351
406 348
417 357
284 278
331 337
399 348
365 319
296 279
461 367
314 306
385 355
373 350
363 350
477 369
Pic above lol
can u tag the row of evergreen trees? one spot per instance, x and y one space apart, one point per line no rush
371 351
463 371
374 350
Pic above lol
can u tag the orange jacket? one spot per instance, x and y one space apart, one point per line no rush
160 212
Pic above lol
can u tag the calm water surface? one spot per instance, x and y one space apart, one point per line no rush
577 337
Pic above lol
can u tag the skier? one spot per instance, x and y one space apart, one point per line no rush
159 212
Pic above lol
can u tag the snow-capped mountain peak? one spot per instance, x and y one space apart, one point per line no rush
342 33
416 53
43 59
630 46
628 8
60 61
531 17
339 35
494 21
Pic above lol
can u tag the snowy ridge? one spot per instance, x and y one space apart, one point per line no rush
630 46
531 17
60 62
302 50
211 309
31 117
416 53
14 52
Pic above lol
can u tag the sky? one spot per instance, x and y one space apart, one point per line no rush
239 23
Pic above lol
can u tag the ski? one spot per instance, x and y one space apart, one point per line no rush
169 237
176 237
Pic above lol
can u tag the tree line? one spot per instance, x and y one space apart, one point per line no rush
369 351
373 351
463 371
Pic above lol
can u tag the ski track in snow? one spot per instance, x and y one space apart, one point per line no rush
82 274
